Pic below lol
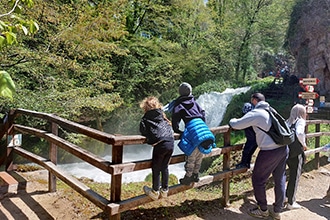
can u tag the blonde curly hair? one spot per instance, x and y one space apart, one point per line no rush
150 103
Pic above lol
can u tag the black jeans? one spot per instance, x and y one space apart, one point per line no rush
295 165
161 156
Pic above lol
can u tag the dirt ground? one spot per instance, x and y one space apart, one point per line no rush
35 203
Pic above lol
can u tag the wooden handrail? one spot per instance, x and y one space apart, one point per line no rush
114 206
72 126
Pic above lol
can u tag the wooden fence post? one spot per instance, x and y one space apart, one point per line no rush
8 123
317 145
117 158
9 159
226 166
53 159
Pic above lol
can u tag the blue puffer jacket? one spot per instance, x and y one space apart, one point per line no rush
197 134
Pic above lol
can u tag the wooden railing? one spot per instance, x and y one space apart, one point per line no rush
116 168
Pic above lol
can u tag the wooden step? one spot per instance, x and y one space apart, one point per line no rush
11 182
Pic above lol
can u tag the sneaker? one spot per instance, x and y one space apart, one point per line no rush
293 206
151 193
275 215
242 165
186 180
258 213
163 193
195 177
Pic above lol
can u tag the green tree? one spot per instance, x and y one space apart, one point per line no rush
11 24
249 30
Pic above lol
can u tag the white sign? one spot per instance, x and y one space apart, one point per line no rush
308 95
15 141
309 81
310 102
310 109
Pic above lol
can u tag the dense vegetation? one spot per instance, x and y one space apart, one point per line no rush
90 58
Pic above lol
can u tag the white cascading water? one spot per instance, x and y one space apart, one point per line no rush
215 105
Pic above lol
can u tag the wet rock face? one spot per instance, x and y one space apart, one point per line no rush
309 42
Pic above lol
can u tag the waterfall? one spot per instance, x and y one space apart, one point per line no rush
213 103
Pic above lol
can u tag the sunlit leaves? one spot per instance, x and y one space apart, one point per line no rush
7 86
12 23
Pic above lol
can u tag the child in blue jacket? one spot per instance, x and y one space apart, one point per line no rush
196 139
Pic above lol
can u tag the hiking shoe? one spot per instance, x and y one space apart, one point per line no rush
275 215
151 193
293 206
186 180
258 213
195 177
242 165
163 192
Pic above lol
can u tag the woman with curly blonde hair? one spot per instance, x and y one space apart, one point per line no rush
157 129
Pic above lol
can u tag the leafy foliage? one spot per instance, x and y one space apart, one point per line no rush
91 59
7 86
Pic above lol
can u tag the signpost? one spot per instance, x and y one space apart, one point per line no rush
309 81
309 95
14 140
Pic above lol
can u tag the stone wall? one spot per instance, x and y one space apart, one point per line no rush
309 42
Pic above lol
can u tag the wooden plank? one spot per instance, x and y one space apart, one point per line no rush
69 180
7 179
226 166
116 169
68 146
317 134
8 184
90 132
316 150
310 122
53 159
128 204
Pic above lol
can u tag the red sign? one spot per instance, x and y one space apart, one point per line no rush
308 95
309 81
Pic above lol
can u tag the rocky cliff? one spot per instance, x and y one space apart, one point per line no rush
309 41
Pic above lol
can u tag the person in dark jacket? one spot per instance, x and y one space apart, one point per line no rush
250 145
157 129
187 109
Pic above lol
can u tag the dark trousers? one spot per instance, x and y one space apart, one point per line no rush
161 156
270 162
250 146
295 165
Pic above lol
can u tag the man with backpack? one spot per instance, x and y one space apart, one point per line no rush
271 158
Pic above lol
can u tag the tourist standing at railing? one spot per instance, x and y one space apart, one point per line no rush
271 158
157 129
196 138
296 159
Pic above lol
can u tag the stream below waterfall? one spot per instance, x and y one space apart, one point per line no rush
215 105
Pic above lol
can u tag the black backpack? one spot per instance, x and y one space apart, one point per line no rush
295 148
279 131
